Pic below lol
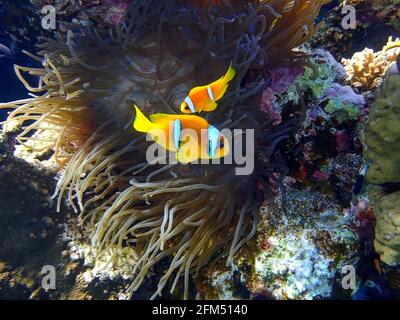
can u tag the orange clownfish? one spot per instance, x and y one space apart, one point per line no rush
204 98
190 137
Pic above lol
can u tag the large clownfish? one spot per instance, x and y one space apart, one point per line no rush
171 131
205 98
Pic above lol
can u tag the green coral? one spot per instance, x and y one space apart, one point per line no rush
382 134
318 85
343 111
387 231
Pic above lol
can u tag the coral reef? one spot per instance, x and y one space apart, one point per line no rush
367 68
299 257
372 12
184 217
375 21
381 135
325 151
387 232
281 79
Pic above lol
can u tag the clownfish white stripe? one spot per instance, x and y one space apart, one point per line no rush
190 104
177 133
210 93
213 135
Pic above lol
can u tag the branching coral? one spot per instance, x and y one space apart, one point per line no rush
187 214
367 68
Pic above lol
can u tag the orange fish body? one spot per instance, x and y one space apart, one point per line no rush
191 142
204 98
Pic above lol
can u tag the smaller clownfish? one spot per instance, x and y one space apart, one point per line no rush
190 137
204 98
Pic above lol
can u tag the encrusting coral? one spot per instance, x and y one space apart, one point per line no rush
367 68
387 231
382 134
190 215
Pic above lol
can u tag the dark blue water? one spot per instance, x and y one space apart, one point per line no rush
16 19
10 86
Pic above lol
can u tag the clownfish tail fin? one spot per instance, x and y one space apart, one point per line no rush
229 74
142 123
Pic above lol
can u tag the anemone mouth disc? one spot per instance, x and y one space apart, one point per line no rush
192 215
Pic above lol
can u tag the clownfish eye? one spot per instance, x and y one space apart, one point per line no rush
187 107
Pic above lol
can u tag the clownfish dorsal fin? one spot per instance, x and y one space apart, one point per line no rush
197 89
161 117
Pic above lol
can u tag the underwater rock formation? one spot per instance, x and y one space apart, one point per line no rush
298 257
387 231
382 134
34 235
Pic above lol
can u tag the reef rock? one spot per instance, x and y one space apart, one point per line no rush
298 254
33 235
382 134
387 231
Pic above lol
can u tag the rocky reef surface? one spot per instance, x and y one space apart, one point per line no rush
33 235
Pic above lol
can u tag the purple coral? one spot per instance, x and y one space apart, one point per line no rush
281 79
116 10
346 95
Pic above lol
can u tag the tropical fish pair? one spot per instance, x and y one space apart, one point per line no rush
190 137
204 98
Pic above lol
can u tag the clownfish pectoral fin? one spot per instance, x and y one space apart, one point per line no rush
188 150
177 133
141 122
213 106
186 155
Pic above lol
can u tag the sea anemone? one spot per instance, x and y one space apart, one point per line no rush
190 214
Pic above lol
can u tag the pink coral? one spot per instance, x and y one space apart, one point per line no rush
268 105
320 176
342 141
116 10
281 79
